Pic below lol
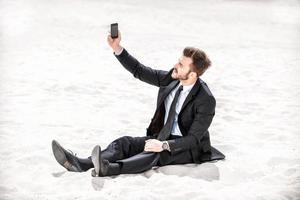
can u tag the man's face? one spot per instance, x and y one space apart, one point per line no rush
182 68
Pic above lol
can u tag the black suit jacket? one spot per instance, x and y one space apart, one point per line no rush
194 118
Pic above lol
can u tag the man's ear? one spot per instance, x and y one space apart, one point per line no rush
194 74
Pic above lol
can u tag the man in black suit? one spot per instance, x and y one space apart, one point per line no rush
178 132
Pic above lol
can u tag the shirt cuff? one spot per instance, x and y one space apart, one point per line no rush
117 53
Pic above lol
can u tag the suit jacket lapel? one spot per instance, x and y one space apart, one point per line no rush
191 95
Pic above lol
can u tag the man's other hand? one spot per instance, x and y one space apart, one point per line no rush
153 145
114 43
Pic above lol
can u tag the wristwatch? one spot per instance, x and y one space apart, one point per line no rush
165 145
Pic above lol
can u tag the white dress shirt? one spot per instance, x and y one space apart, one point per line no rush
168 101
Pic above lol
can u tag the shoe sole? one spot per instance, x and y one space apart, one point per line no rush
61 157
59 153
96 159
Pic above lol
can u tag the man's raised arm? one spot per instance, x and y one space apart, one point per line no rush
140 71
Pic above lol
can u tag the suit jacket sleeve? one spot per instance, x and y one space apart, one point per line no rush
142 72
203 118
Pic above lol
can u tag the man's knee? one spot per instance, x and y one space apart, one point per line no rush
123 138
131 140
122 143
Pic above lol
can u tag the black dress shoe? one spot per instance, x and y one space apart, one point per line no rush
100 165
65 158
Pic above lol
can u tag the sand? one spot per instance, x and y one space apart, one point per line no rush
59 80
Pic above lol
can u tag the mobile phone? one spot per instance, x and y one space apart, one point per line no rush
114 30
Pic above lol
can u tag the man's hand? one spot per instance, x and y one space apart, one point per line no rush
153 145
114 43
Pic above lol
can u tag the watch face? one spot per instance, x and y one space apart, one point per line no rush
164 146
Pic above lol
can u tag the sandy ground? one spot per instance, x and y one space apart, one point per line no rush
59 80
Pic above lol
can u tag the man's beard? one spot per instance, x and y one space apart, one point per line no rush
180 77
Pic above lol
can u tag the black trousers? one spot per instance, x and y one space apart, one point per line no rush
127 156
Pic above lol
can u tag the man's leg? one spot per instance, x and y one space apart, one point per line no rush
144 161
138 163
122 150
124 147
132 165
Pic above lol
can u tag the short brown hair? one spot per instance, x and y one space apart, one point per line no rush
200 60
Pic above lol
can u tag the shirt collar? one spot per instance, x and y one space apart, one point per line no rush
187 88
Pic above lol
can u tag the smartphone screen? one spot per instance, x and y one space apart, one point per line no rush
114 30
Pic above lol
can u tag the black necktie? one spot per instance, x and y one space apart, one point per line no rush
167 128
